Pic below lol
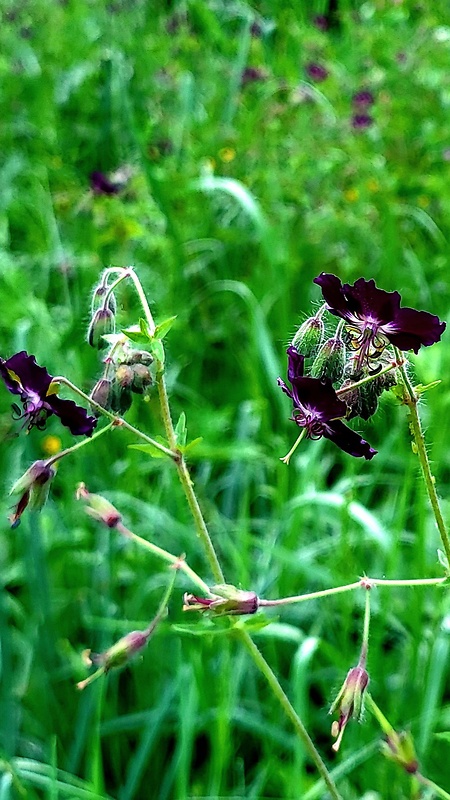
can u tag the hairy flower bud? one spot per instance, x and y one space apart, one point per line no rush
101 394
309 336
121 398
98 507
98 297
141 378
124 376
34 486
225 600
140 357
101 323
330 361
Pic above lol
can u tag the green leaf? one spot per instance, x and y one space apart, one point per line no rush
181 430
164 327
205 627
150 449
143 327
421 388
135 335
188 447
157 350
444 736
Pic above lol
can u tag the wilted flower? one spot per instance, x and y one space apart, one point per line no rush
34 486
225 600
318 409
99 507
399 747
374 317
349 701
316 72
37 391
361 121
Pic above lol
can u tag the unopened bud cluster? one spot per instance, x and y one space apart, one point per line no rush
126 369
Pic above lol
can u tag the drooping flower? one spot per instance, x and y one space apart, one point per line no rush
37 392
318 409
225 600
349 702
375 319
33 487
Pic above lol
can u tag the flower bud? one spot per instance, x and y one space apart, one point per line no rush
140 357
330 361
98 507
121 398
121 651
225 600
309 336
101 323
101 394
141 378
400 748
349 701
98 298
34 486
124 376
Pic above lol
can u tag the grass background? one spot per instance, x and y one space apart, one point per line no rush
240 196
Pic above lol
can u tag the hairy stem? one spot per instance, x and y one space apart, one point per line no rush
118 421
78 445
411 399
290 712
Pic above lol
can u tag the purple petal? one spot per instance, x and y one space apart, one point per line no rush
32 377
296 364
319 396
415 328
72 416
363 299
284 388
349 441
332 293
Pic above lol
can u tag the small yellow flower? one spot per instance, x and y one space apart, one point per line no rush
351 195
51 445
227 154
373 185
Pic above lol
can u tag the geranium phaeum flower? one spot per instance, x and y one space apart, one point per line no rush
37 392
374 317
318 409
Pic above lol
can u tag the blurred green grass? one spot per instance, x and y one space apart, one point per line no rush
240 195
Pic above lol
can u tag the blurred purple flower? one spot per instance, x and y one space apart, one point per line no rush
318 409
37 391
363 99
375 319
252 75
361 122
101 184
321 22
316 72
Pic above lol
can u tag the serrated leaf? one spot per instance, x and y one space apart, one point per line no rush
181 430
150 449
164 327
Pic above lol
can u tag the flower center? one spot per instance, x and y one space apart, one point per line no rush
365 336
310 419
34 412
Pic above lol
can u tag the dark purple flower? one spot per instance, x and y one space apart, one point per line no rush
38 396
101 184
363 99
316 72
252 75
375 319
321 22
361 122
318 409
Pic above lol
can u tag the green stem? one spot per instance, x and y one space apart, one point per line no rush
365 637
364 583
186 482
290 712
411 400
175 561
143 299
433 786
78 445
118 421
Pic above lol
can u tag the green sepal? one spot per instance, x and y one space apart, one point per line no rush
164 327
